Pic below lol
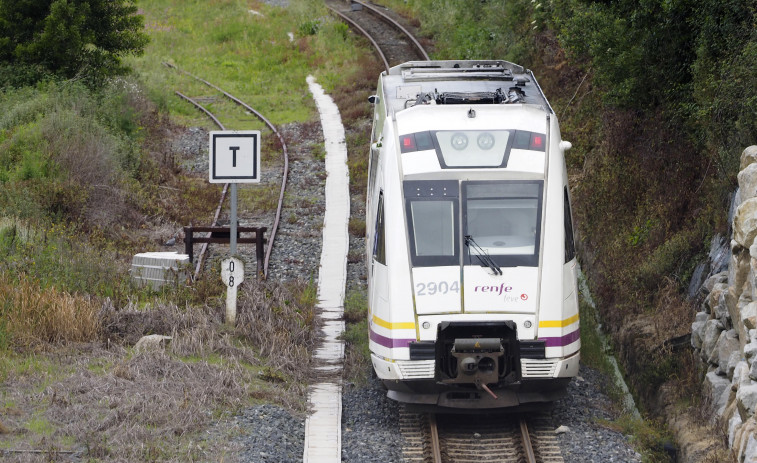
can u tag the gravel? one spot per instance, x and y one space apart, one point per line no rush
582 411
370 431
269 434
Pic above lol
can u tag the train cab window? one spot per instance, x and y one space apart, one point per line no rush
379 237
432 217
570 245
504 220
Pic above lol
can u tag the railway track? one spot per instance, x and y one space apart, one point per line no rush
476 438
211 116
393 42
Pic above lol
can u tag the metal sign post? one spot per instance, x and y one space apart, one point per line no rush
234 158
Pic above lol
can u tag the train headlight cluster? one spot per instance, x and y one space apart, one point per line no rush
459 141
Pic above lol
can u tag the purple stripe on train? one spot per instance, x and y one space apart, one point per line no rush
561 341
389 342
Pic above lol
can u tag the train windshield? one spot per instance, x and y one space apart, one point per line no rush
504 219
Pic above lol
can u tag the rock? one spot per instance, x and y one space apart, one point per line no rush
712 301
728 343
753 371
733 360
750 350
739 272
750 453
734 424
741 438
697 331
748 156
720 309
745 223
562 430
748 182
151 342
749 314
746 400
716 387
740 374
712 331
710 283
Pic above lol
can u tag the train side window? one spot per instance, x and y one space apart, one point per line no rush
570 245
379 238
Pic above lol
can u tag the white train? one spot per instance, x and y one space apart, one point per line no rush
472 272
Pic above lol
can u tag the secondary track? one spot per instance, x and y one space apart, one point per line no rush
272 236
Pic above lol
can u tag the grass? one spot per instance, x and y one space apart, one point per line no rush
357 354
249 56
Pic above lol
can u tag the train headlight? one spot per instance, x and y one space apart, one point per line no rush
459 141
485 141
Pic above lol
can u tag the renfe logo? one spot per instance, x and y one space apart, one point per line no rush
493 289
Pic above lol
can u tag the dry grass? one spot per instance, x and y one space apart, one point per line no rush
108 402
281 322
32 316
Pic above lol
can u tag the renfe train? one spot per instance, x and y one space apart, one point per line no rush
472 273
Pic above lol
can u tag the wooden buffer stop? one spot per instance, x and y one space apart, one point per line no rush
222 235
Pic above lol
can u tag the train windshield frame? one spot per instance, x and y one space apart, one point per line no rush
504 218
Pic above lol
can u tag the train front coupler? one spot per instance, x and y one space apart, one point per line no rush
477 354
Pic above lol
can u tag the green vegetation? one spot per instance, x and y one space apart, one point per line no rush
246 52
40 39
355 336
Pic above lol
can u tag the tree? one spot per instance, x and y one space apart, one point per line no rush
70 38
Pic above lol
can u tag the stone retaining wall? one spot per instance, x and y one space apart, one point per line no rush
724 333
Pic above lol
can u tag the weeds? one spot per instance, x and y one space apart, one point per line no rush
32 316
357 354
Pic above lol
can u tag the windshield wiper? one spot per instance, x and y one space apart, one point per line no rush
482 255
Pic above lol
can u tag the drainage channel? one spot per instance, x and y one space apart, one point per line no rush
323 443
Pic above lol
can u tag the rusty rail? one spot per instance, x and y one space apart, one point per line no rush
397 25
270 125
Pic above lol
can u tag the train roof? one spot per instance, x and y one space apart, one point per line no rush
461 82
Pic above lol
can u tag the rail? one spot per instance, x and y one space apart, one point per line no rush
396 24
277 218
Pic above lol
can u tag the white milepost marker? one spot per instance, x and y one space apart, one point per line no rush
232 275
